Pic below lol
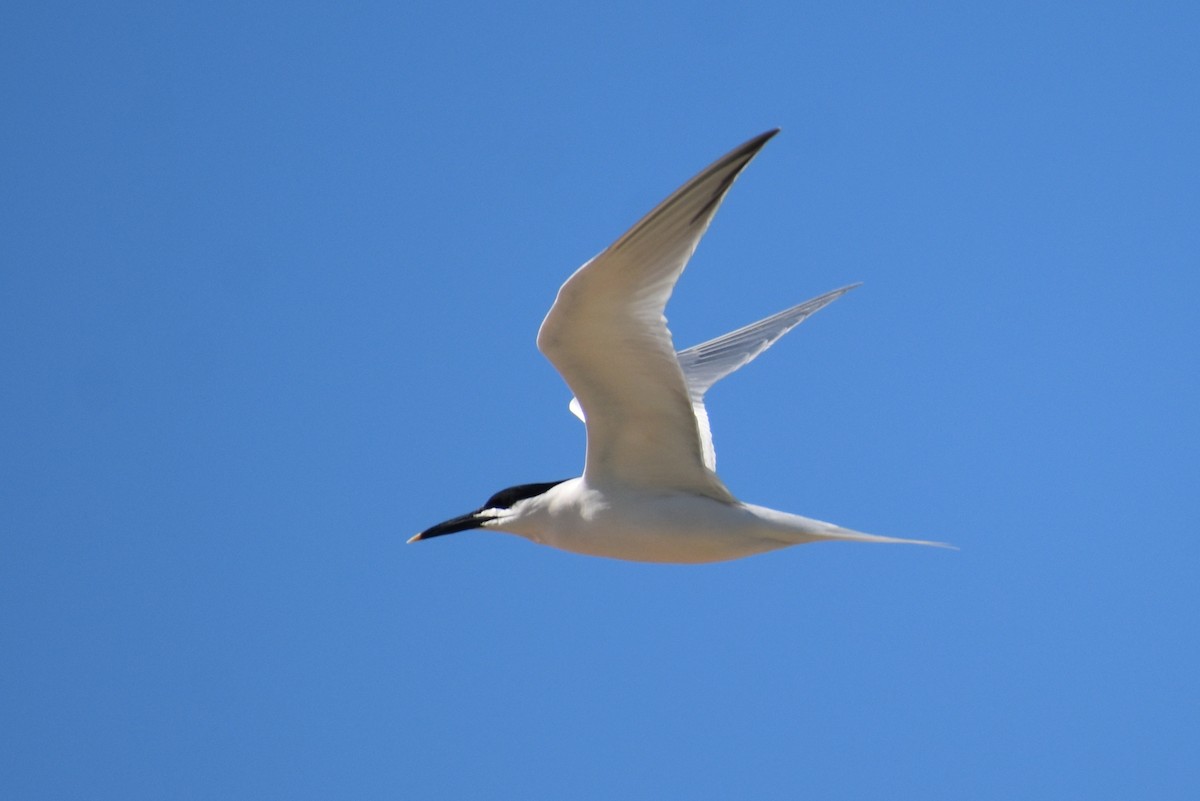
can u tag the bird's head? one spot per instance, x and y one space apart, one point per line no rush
504 505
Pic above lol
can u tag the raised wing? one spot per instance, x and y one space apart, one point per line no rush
707 363
607 336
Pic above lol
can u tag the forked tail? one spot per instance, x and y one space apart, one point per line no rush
832 532
797 529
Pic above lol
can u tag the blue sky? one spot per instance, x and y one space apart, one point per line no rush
271 276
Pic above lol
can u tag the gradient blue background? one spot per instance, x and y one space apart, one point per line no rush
270 280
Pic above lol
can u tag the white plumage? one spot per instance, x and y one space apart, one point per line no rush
649 490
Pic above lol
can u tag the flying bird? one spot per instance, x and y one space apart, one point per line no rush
649 491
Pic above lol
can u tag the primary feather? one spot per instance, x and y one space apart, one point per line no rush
607 336
705 364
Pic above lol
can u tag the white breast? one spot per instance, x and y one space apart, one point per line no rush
625 523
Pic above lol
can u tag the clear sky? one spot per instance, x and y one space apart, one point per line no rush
270 277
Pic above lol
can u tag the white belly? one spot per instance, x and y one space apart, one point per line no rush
644 527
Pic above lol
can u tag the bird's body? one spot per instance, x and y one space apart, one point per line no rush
649 491
624 522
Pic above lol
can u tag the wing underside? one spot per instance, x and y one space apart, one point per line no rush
607 336
705 364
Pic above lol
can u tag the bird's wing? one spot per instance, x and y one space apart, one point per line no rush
707 363
607 336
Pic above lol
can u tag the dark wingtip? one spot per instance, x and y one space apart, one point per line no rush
758 141
741 156
764 137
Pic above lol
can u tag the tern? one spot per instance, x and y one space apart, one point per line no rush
649 491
